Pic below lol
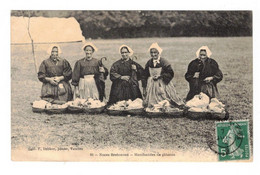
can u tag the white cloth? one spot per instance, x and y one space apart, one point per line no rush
155 71
199 101
40 104
131 52
158 91
49 50
88 88
90 44
157 47
209 53
155 62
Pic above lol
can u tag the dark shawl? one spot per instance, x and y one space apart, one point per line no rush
51 68
121 89
210 68
167 73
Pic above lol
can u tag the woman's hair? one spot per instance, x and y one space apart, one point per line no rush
203 50
124 48
154 49
54 47
89 46
51 47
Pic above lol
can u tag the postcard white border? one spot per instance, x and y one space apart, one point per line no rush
121 168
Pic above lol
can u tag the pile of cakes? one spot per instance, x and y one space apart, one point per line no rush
127 105
164 108
201 106
199 103
89 103
160 107
86 105
202 103
45 106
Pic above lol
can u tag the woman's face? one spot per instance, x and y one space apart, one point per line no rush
154 53
89 51
54 52
124 53
203 54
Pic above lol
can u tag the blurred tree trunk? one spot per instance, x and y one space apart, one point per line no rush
29 33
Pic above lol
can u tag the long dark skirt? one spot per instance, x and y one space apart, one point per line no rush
61 92
196 86
124 90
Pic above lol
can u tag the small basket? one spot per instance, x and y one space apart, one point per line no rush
38 110
75 109
56 111
196 115
139 111
116 112
219 116
155 114
93 110
174 113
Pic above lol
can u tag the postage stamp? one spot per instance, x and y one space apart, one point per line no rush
233 140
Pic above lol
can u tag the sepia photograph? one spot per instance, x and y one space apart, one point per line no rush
132 85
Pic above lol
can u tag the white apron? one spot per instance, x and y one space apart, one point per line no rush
158 91
87 88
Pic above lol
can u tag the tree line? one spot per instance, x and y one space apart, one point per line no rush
132 24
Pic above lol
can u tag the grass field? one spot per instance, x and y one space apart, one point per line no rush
29 129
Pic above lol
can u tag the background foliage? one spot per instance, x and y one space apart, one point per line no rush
132 24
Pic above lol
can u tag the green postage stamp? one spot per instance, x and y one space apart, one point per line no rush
233 140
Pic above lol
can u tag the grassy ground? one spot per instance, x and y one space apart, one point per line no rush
29 129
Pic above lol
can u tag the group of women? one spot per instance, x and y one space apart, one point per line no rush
89 76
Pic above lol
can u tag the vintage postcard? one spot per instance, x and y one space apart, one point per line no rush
173 86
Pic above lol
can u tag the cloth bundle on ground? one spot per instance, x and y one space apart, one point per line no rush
90 103
136 104
201 100
216 106
127 105
159 107
43 105
198 103
78 102
40 104
202 103
56 106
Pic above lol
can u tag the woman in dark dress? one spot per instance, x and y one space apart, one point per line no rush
86 76
125 74
55 73
203 74
159 75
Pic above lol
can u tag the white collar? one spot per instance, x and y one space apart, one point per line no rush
157 61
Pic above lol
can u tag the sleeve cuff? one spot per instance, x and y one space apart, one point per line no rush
74 83
42 79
